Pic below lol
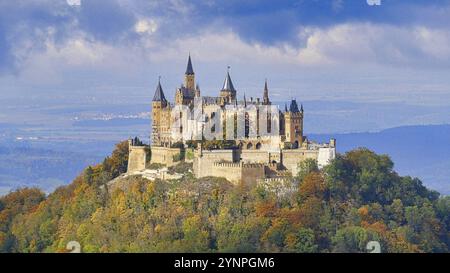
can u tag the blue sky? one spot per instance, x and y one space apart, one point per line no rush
309 49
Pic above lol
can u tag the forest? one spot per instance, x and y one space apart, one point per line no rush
356 199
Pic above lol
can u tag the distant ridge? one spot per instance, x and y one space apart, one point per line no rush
418 150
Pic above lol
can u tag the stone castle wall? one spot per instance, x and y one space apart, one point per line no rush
254 156
137 158
231 171
203 164
291 158
164 155
252 172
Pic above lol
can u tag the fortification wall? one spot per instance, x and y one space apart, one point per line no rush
164 155
252 172
325 156
255 156
291 158
231 171
219 155
137 158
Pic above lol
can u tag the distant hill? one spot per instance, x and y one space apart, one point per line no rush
421 151
46 164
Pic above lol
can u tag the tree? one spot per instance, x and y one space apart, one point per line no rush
21 201
313 186
302 241
306 167
352 239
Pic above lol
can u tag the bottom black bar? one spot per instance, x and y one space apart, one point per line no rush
189 262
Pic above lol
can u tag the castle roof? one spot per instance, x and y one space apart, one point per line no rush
228 84
189 69
187 93
159 94
294 107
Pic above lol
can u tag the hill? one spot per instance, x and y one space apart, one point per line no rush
356 199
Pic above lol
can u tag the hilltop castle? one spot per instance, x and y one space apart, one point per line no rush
240 140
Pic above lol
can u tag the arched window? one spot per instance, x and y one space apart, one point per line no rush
249 146
258 146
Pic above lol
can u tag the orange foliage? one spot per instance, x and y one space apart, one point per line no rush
266 209
313 186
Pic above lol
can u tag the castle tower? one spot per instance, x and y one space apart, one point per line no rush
294 124
184 95
266 100
228 93
189 76
159 103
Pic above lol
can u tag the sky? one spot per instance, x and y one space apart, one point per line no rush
333 50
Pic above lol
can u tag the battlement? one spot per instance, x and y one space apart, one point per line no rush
253 165
227 165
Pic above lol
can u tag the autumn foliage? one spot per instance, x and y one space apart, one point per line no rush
356 199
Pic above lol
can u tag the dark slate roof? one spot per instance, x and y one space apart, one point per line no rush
189 69
293 107
159 94
228 84
187 93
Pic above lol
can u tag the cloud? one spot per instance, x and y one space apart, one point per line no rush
355 44
145 26
304 33
381 44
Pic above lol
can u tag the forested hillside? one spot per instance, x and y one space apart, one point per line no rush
356 199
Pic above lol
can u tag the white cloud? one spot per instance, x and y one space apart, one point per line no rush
345 44
377 44
146 26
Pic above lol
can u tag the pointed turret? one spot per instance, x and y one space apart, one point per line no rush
228 84
266 100
228 93
189 69
189 76
159 93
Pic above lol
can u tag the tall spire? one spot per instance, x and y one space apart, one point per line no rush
245 101
266 94
159 93
189 69
228 84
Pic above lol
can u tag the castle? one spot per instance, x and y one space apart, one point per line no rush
240 140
